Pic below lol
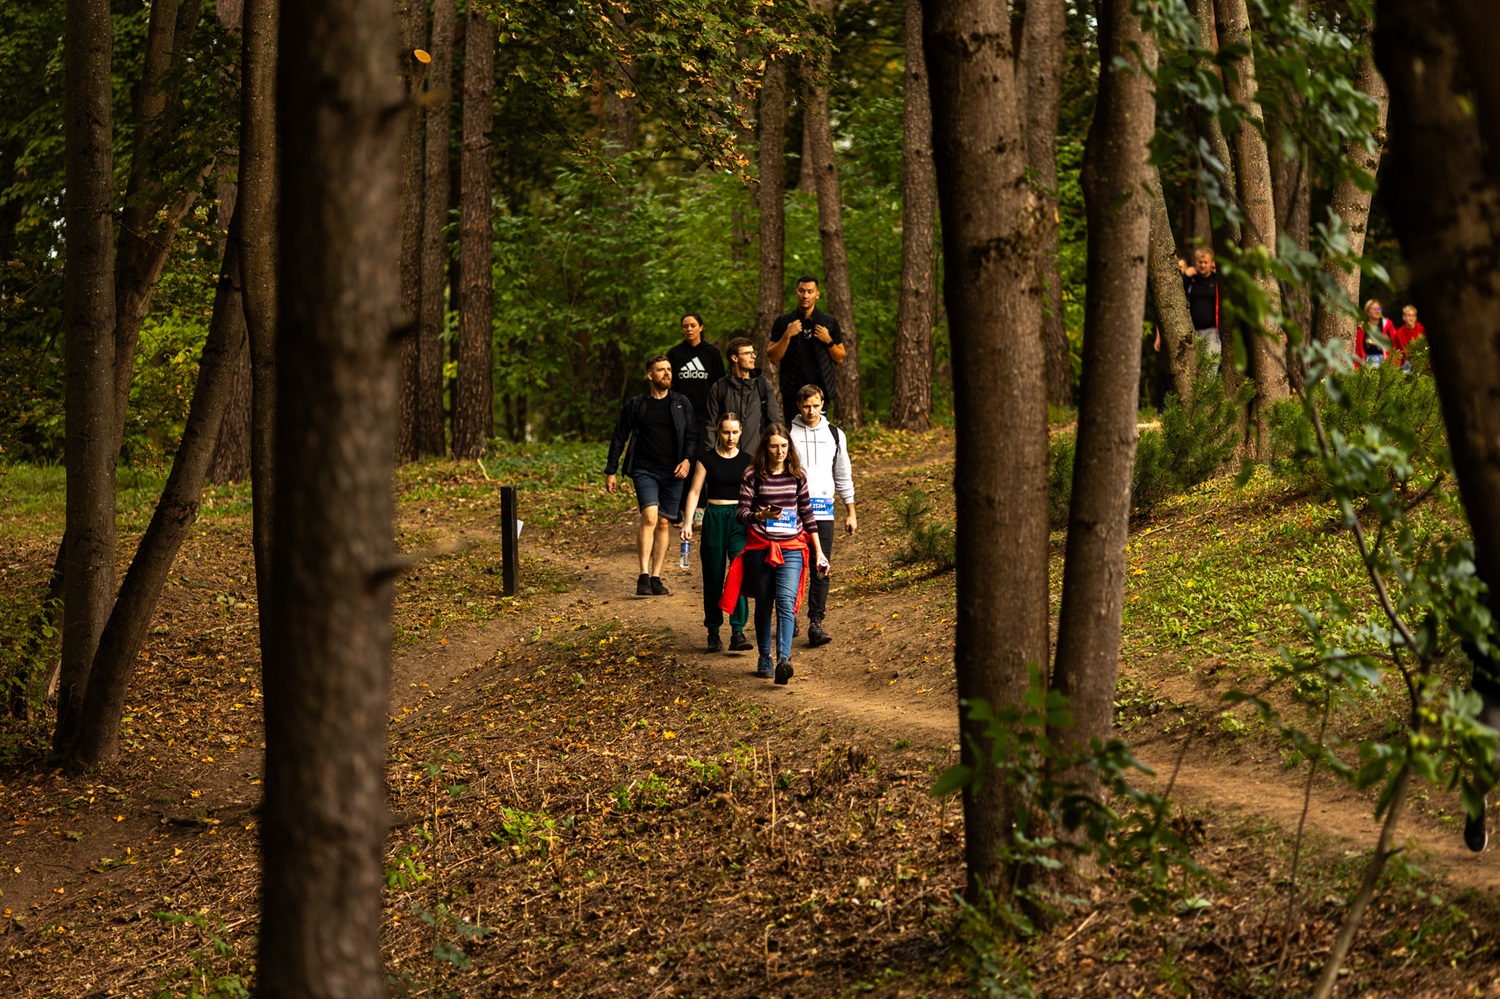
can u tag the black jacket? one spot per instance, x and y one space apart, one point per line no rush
750 397
630 420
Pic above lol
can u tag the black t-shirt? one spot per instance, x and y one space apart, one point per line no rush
656 436
1203 300
694 369
722 476
799 366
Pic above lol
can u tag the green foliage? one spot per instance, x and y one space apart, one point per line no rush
27 651
649 791
526 832
925 540
207 976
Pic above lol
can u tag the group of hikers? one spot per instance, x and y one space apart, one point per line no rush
1376 339
707 449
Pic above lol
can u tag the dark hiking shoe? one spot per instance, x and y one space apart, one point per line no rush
1475 834
714 645
784 671
643 585
739 643
763 668
816 636
658 588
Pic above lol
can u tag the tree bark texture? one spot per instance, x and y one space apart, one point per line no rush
145 241
1443 191
256 212
231 457
911 391
1176 325
1352 204
991 229
430 437
850 403
324 816
411 23
1292 196
1212 130
474 395
1115 178
89 320
1043 33
1267 348
176 510
771 202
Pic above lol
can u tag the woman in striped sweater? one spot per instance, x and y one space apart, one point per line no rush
777 510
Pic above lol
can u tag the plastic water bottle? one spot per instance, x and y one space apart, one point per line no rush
686 561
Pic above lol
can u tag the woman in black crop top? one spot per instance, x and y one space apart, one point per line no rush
716 478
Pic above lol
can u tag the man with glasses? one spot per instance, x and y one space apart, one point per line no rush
744 391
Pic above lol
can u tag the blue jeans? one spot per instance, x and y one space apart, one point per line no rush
662 490
782 587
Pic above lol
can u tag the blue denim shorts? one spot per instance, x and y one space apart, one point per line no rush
662 490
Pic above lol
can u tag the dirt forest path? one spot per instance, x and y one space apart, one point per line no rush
859 684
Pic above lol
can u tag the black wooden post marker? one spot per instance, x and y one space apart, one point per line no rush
509 559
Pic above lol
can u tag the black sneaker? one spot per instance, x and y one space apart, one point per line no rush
714 645
643 585
763 668
739 643
658 588
784 671
1475 833
816 636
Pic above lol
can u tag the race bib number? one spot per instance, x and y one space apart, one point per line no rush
788 521
822 507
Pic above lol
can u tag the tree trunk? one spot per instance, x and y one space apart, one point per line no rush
430 437
1115 180
1443 191
771 198
1292 195
474 395
231 457
1267 346
256 212
324 816
1167 296
991 229
88 319
1208 37
1352 204
1043 34
144 241
176 510
849 404
911 393
411 23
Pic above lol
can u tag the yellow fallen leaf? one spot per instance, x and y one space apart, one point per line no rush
421 55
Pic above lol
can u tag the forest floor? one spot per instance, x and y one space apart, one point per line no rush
584 802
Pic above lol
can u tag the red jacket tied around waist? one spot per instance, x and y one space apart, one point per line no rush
775 556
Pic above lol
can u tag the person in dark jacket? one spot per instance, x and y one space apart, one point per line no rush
696 364
744 391
1201 285
663 435
807 345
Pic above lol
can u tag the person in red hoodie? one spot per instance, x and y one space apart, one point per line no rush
1368 351
1405 335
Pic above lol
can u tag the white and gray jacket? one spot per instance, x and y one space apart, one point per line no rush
825 459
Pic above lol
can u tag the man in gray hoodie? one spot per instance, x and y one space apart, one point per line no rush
824 451
744 390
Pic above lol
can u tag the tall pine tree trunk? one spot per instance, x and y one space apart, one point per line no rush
1116 174
849 404
231 457
1042 40
324 816
119 646
771 198
429 436
474 395
256 211
911 393
89 320
411 23
1266 346
1167 296
991 239
1351 203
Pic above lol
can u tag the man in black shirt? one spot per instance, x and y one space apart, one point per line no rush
663 434
744 391
1201 285
696 365
807 344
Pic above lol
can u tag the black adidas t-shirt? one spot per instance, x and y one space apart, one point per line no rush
694 369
